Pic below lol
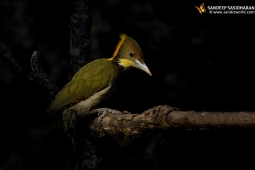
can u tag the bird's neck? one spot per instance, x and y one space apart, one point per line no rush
116 61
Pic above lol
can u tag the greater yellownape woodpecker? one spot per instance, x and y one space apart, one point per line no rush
95 81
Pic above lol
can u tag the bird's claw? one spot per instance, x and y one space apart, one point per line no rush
103 111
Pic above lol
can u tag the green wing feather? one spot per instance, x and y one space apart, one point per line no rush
90 79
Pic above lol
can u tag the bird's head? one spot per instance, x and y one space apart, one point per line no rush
128 53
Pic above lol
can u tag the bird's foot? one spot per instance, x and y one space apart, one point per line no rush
103 111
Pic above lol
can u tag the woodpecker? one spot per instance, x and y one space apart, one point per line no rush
95 82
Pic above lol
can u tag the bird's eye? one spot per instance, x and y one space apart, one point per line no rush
131 54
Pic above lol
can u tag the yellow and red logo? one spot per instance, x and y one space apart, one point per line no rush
201 9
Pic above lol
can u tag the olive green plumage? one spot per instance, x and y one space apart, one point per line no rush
95 81
90 79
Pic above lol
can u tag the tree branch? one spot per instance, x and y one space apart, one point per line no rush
80 41
37 77
14 66
42 79
79 54
166 118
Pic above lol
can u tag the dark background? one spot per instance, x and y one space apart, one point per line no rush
202 63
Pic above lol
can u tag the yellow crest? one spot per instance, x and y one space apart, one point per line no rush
122 39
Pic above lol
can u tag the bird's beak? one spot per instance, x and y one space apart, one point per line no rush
143 66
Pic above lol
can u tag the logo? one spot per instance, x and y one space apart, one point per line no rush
201 9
